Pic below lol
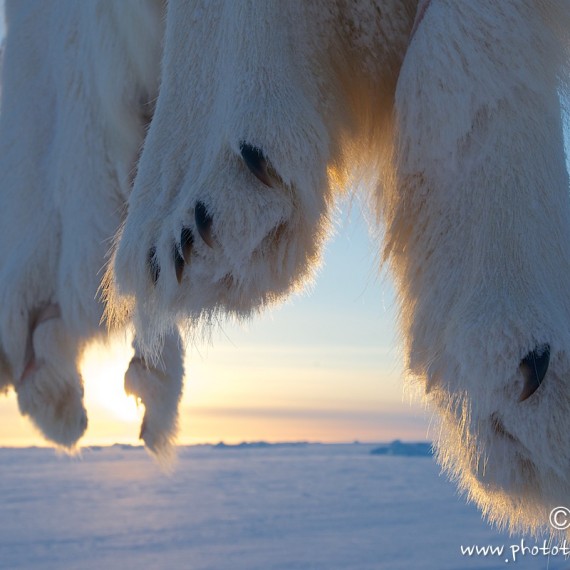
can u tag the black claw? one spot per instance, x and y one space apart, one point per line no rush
533 367
178 264
256 162
203 223
153 265
186 243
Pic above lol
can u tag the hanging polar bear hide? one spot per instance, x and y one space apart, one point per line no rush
168 163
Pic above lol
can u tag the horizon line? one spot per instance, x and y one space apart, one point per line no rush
219 444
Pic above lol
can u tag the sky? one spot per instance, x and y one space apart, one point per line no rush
325 367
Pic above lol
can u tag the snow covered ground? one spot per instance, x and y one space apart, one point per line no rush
285 507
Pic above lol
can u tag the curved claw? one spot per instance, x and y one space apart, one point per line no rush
178 264
186 243
153 265
204 223
256 162
533 367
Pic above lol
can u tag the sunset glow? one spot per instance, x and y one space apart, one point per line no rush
103 369
324 367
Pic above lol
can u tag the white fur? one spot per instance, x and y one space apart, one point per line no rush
478 228
449 109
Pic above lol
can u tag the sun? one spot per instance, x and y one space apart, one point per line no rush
103 367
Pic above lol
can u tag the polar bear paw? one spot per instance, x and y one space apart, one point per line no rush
159 387
50 390
220 239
